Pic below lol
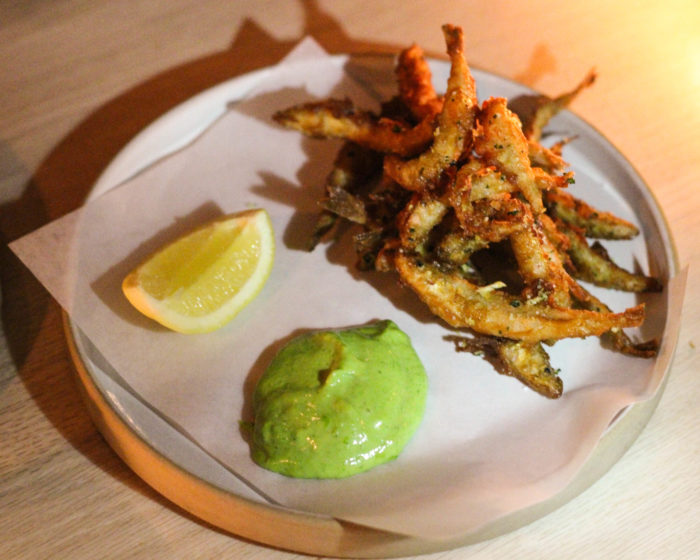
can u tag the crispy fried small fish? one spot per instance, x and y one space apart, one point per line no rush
415 83
462 304
486 181
454 124
352 169
539 265
483 204
501 143
595 223
338 118
548 107
421 215
471 210
529 363
593 264
456 249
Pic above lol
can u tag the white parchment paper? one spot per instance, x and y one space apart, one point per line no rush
487 445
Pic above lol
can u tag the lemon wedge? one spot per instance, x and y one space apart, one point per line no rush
200 281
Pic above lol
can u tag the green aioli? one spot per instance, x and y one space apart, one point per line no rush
335 403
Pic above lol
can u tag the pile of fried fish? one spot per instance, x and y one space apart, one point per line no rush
470 208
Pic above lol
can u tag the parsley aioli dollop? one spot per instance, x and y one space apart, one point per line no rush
335 403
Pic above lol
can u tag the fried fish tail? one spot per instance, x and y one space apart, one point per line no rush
618 339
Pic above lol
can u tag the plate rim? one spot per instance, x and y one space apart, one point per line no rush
318 534
242 516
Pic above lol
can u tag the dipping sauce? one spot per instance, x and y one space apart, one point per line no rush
336 403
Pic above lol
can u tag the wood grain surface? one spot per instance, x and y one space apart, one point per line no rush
79 78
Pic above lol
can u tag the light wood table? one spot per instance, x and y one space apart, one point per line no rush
80 78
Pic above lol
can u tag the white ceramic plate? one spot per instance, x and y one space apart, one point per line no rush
181 471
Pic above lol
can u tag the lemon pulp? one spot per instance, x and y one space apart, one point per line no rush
202 280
